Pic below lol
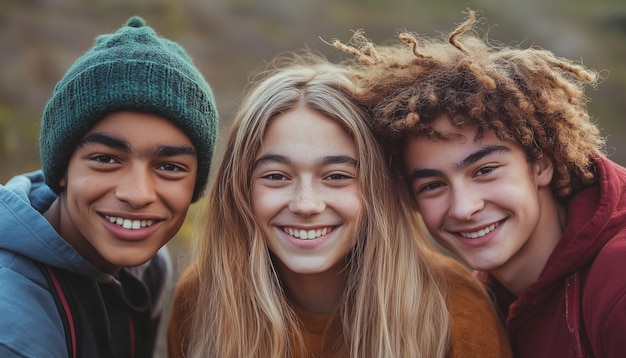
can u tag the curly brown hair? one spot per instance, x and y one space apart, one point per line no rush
526 96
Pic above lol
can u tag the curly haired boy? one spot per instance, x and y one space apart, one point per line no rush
508 172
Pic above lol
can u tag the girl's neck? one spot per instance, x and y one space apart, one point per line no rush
315 293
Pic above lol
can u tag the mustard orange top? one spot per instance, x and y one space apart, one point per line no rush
476 330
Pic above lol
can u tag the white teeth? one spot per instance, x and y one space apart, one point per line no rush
307 234
129 224
479 233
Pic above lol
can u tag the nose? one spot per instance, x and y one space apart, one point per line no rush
464 203
306 201
137 187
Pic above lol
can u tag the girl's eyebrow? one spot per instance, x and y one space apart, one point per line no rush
420 173
281 159
270 158
121 144
339 159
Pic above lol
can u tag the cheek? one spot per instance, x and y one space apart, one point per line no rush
180 208
256 201
264 202
178 198
86 183
350 204
86 188
432 212
514 191
429 221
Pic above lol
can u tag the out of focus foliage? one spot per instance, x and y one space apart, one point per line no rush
40 39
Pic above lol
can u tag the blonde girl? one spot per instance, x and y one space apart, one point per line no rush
307 250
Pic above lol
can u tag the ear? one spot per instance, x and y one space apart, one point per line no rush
543 170
62 182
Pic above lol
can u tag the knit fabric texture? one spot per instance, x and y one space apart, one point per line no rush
132 69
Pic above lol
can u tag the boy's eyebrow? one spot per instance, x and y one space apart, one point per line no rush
107 140
481 153
120 144
423 173
467 161
170 151
331 159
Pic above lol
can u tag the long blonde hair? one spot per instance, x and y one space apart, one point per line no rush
395 299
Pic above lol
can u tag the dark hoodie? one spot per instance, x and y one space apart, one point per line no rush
577 306
113 316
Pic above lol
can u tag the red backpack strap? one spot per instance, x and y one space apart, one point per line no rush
63 307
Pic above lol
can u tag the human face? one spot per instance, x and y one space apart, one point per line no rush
305 191
127 189
482 199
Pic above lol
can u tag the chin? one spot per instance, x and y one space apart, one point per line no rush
130 262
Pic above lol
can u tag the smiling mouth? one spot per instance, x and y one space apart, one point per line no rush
307 234
479 233
129 224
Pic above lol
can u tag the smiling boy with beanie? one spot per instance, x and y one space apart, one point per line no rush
126 144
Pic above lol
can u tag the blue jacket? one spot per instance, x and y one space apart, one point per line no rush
113 316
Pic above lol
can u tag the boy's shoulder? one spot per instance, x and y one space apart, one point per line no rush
609 266
604 296
26 305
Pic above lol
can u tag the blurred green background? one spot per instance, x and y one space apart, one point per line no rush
40 39
228 39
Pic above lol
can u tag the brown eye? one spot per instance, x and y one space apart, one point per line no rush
485 170
338 177
275 176
171 167
429 187
104 159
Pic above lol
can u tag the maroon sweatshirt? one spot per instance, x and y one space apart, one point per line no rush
577 306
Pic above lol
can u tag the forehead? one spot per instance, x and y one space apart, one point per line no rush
306 131
141 127
453 145
441 131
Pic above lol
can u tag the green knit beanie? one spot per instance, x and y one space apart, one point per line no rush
132 69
